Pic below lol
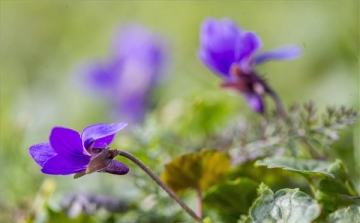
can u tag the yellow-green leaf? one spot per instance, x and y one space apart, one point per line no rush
196 170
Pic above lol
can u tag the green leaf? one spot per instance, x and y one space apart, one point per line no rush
245 219
333 194
307 168
337 192
345 215
196 170
286 206
274 178
232 195
334 190
60 216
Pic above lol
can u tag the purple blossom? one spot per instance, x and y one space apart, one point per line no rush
127 79
69 152
232 53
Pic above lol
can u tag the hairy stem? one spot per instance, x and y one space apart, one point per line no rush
161 184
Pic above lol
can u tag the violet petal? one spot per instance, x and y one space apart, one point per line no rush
117 168
281 53
59 165
42 152
218 44
255 102
221 69
66 142
247 45
102 134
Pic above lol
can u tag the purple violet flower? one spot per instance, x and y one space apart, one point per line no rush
69 152
133 70
231 53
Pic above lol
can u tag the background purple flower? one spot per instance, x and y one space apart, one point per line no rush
135 67
69 152
232 53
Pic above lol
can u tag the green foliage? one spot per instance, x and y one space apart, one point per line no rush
231 198
345 215
339 191
60 216
286 205
232 195
307 168
196 170
334 188
306 133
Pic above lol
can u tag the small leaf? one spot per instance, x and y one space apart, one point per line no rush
286 206
344 215
196 170
232 195
307 168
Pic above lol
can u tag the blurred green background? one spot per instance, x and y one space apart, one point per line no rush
42 42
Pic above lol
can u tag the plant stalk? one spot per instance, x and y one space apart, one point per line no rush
161 184
279 106
198 202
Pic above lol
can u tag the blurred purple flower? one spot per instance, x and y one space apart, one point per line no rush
232 54
135 67
69 152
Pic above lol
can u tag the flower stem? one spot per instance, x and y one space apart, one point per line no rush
161 184
198 202
279 106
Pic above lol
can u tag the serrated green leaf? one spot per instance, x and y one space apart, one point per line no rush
196 170
232 195
345 215
286 206
307 168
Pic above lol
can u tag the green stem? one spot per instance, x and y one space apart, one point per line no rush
312 186
161 184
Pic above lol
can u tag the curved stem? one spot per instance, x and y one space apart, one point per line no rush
161 184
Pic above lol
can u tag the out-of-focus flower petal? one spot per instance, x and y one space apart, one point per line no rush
134 42
133 107
255 102
42 152
101 133
247 45
99 76
281 53
219 40
66 142
219 67
117 168
59 165
219 35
